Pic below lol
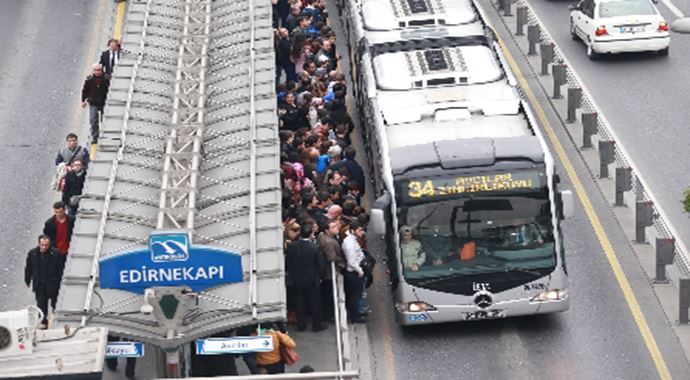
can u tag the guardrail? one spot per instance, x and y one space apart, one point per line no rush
648 211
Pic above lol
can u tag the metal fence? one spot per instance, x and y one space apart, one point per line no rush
525 16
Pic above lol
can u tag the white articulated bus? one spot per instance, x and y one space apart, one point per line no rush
467 190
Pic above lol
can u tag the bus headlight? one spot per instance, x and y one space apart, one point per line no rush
417 307
551 295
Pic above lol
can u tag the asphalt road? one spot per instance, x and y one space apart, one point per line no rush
44 55
644 98
597 338
45 51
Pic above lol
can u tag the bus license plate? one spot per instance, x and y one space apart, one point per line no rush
484 314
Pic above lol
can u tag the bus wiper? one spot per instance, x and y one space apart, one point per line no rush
524 270
437 279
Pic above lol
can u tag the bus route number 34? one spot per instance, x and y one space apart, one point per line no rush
417 189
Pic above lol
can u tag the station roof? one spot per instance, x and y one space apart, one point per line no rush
120 206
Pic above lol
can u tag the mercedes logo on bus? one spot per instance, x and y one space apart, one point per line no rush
483 301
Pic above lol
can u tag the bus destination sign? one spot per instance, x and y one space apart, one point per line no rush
423 189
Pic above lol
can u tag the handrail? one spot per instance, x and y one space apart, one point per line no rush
336 307
253 286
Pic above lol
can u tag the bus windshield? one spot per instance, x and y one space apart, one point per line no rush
477 235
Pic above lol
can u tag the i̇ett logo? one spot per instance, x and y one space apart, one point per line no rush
166 247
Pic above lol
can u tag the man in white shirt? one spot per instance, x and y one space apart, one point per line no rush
354 274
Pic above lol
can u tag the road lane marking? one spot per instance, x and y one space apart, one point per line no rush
673 8
631 300
119 20
385 329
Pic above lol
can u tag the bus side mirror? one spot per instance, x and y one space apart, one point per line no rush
378 214
567 204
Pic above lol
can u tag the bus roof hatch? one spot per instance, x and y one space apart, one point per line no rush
465 153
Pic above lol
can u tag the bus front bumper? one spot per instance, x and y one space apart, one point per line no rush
461 313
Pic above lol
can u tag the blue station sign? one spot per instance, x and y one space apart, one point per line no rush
234 345
170 261
124 350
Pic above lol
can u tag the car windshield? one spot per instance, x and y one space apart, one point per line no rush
626 8
468 236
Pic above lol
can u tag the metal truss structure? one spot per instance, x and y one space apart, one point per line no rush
189 143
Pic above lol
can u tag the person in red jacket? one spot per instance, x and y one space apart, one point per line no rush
59 228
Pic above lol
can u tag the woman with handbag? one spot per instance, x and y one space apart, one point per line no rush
283 353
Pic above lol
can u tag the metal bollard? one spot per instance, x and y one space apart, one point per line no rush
546 51
559 79
507 5
644 217
589 128
623 184
574 102
533 37
606 156
520 21
683 299
665 250
639 189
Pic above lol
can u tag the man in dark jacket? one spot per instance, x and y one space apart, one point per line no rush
59 229
95 92
74 184
355 170
43 273
323 199
291 19
332 253
283 52
304 265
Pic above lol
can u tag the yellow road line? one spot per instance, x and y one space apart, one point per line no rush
621 278
119 20
92 153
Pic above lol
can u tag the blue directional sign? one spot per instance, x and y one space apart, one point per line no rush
235 345
170 261
124 350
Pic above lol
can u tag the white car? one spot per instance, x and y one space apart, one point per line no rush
617 26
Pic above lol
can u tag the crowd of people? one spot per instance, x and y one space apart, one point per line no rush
322 183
